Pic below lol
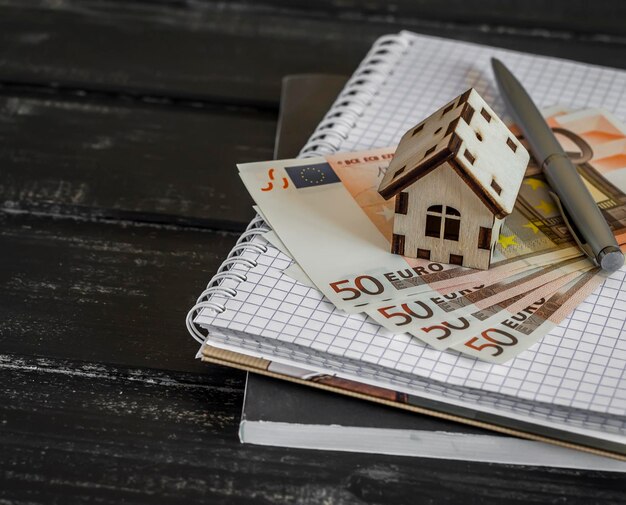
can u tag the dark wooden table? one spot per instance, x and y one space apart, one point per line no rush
120 124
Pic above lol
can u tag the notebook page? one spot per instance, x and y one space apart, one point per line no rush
284 349
303 325
433 71
580 364
609 428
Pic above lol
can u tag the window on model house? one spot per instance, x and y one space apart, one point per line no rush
443 222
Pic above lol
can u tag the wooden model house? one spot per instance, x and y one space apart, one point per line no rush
455 177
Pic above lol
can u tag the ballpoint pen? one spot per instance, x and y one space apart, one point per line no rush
580 211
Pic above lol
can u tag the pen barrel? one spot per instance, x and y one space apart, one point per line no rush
579 204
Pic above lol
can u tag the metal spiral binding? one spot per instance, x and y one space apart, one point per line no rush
326 139
244 243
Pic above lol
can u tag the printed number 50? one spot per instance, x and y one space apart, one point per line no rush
492 341
407 314
362 284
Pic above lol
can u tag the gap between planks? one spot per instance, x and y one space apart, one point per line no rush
131 219
95 94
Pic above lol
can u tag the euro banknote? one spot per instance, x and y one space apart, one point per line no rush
496 333
475 311
514 334
447 319
343 250
328 212
440 322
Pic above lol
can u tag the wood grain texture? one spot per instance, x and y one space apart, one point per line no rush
578 16
136 435
103 292
213 54
235 53
130 161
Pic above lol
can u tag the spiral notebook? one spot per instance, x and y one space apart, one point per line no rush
571 389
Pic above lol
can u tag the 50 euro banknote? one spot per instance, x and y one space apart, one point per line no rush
444 319
338 228
514 334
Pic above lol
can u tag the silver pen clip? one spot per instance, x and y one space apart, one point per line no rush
572 229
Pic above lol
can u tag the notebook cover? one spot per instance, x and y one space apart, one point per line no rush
279 413
271 400
419 405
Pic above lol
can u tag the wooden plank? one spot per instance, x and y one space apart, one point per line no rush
121 160
81 432
209 54
234 54
599 17
103 292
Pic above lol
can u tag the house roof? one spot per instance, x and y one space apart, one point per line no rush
468 135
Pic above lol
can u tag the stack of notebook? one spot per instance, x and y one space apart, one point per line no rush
261 320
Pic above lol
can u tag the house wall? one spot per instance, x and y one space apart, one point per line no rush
443 186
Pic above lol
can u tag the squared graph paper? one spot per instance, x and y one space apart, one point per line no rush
294 324
575 371
433 71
